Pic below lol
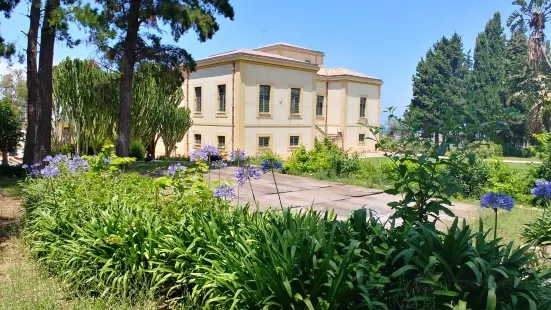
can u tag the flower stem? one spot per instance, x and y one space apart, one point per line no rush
238 187
252 191
277 190
495 224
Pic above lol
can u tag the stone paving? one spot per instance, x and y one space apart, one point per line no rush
302 192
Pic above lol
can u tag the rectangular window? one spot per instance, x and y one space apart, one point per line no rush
362 106
221 141
264 99
293 141
295 100
197 139
361 138
319 106
197 99
264 142
221 98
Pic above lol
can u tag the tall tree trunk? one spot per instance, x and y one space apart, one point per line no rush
45 66
5 157
128 62
32 82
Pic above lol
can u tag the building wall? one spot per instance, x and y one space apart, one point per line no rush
353 130
296 54
279 123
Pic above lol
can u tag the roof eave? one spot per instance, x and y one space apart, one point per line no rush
258 58
350 78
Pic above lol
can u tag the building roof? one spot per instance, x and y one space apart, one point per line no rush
283 44
333 72
257 54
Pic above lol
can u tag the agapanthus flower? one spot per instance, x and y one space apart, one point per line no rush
246 173
238 155
25 166
49 171
271 164
59 158
77 164
48 159
173 169
198 155
210 150
542 189
497 200
107 160
219 164
224 192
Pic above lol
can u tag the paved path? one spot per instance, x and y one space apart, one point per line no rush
301 192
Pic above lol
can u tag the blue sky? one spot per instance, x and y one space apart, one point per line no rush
381 38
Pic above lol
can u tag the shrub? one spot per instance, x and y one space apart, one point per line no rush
513 182
137 150
325 158
485 149
11 171
471 178
67 149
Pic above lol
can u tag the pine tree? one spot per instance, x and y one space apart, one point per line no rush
487 84
438 87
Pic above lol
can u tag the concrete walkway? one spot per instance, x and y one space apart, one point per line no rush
302 192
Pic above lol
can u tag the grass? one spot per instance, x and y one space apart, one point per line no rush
9 187
23 285
509 224
530 159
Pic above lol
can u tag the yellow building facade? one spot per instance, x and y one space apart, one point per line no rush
277 98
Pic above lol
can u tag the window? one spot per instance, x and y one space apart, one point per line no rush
362 106
319 106
221 98
293 141
263 142
295 100
221 141
197 99
264 99
197 139
361 138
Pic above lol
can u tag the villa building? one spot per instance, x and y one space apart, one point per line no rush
277 97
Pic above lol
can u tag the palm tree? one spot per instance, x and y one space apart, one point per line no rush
534 15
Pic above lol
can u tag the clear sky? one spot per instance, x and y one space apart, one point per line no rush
380 38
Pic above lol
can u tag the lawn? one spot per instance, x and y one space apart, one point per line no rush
9 187
150 168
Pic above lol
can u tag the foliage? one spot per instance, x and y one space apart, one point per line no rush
472 177
11 171
7 50
483 149
86 97
325 157
438 86
176 122
67 149
10 127
513 182
130 33
13 86
537 230
137 150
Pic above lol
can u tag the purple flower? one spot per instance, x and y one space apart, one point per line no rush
173 169
59 158
25 166
271 164
107 160
219 164
77 164
198 155
540 182
224 192
210 150
48 159
542 189
238 155
497 200
49 171
245 173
